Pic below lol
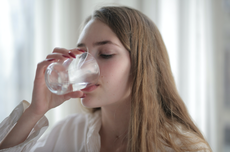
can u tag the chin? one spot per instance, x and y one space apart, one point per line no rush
89 103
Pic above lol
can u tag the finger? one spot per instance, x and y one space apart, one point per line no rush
68 52
57 56
76 94
41 67
61 50
77 51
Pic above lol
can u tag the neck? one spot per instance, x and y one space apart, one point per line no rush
115 123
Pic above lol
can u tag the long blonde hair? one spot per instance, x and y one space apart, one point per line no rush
158 113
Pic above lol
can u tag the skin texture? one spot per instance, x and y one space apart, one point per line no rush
113 92
114 71
42 100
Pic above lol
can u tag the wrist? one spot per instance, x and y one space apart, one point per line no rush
32 113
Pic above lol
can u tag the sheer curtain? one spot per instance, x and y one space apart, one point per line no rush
16 53
187 29
31 29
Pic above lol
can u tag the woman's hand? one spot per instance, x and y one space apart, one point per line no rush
42 99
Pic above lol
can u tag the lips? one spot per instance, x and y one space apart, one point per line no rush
90 88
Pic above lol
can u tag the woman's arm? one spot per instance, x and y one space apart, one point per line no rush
21 130
42 101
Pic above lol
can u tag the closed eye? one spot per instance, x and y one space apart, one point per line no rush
106 56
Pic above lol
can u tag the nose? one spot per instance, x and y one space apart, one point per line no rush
92 51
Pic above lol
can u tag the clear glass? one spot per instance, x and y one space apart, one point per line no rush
73 74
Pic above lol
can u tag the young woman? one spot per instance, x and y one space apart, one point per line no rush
136 106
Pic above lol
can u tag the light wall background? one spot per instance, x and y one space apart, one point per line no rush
196 34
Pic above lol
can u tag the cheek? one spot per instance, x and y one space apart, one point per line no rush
114 84
115 76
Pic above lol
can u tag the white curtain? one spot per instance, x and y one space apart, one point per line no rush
187 30
16 53
32 28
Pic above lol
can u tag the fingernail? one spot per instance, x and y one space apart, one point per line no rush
72 55
50 59
83 96
81 50
65 56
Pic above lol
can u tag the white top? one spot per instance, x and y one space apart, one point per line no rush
76 133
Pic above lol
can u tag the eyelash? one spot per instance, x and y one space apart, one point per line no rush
106 56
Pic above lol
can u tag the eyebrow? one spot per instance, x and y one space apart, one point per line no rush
98 43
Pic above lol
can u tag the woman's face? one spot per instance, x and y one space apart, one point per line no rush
114 63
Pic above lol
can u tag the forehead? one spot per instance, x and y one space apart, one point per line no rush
96 30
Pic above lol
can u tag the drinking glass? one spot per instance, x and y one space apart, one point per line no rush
72 74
